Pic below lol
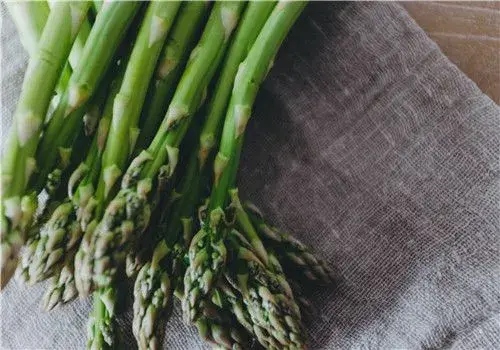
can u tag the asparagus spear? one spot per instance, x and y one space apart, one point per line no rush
18 164
218 327
268 298
61 233
207 252
29 19
132 92
253 19
106 34
126 110
127 215
171 63
62 288
101 327
298 257
152 294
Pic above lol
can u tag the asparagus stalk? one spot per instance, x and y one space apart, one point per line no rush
18 164
126 111
61 233
29 19
207 252
52 253
127 215
150 292
253 19
101 46
300 259
169 69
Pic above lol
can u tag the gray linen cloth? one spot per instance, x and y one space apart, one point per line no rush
373 148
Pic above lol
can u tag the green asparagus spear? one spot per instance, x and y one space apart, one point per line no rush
101 326
44 69
207 251
171 63
298 257
127 215
101 46
29 19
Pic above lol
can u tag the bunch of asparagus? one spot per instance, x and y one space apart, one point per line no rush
122 161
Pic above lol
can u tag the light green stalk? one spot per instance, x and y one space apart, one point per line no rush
127 215
169 69
30 18
123 132
19 163
253 19
105 37
250 75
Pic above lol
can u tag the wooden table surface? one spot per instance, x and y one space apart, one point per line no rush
469 34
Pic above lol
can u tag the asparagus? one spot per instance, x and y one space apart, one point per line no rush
207 252
268 276
126 111
61 232
29 19
62 288
268 299
123 132
127 215
253 19
299 257
101 327
106 34
44 69
152 293
218 327
171 63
